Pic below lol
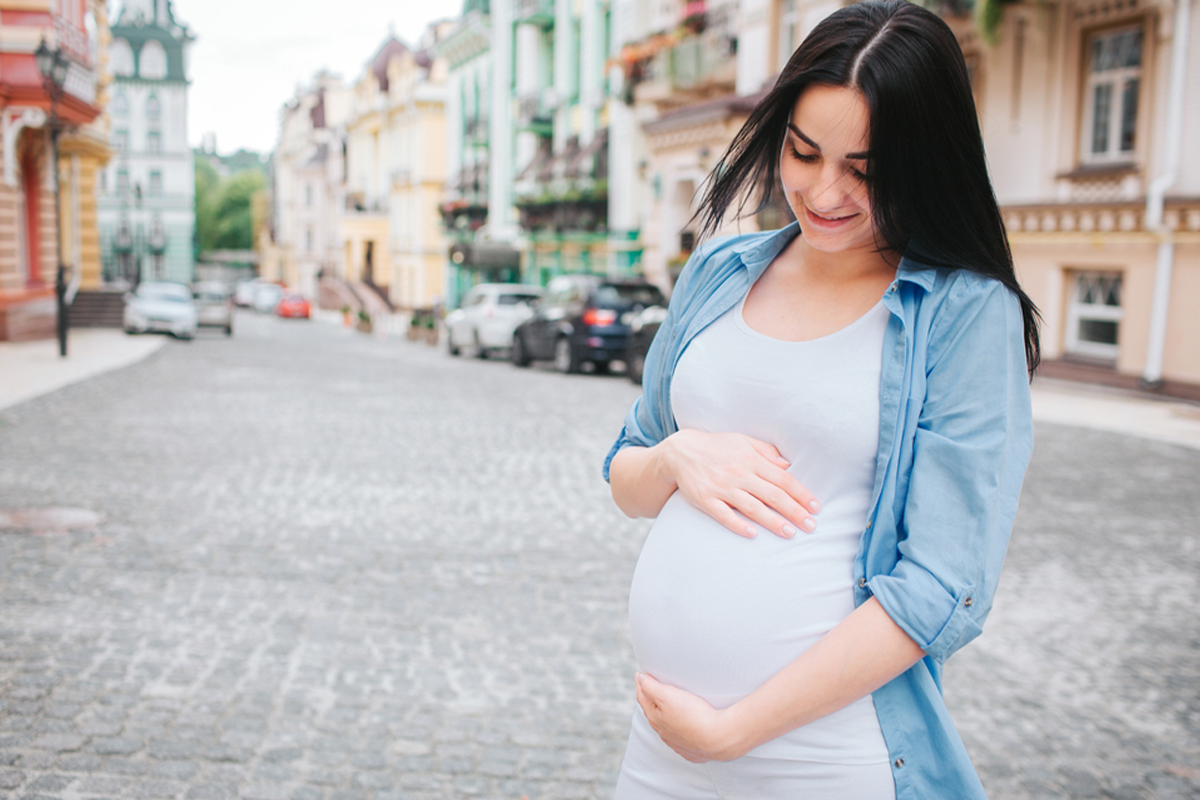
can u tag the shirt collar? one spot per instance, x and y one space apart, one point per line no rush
757 252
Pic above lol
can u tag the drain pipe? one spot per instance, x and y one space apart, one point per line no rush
1173 144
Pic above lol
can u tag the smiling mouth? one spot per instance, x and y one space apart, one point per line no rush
824 218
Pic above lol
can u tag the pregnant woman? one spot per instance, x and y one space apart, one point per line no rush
833 432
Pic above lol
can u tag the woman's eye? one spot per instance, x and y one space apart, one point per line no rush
796 154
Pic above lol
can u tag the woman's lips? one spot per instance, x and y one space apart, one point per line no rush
829 223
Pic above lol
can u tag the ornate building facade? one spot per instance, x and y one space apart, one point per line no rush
30 251
147 193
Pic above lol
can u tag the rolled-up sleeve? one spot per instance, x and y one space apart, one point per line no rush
972 444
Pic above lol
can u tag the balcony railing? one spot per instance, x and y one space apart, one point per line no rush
535 12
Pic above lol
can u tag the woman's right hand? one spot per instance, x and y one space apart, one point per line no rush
727 474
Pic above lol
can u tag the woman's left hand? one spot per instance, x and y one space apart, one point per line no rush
686 723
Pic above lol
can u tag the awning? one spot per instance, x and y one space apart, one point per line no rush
485 255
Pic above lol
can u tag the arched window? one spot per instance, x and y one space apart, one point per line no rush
120 56
153 64
120 105
153 108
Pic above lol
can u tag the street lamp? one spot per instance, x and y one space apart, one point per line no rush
54 65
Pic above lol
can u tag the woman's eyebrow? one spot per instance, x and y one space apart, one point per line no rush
849 156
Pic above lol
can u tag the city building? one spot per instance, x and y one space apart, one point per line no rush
30 251
395 173
473 258
1092 129
307 188
147 192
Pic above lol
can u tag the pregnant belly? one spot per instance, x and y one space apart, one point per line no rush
718 614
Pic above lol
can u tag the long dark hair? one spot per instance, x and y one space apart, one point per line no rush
929 185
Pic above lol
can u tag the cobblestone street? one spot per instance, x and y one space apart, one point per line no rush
327 566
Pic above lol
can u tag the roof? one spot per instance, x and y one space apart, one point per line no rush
392 47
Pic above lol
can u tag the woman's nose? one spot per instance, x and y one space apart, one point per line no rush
829 191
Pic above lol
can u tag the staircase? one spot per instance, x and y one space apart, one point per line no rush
98 308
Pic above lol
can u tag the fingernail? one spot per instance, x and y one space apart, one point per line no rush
789 531
751 530
814 506
810 524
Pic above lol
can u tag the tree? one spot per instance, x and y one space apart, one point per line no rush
223 213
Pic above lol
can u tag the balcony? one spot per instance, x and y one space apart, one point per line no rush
695 62
534 114
535 12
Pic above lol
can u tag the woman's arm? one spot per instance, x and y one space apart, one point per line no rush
722 474
863 652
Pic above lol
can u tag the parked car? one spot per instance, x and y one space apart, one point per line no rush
267 297
214 305
293 305
487 316
161 306
642 327
582 318
243 295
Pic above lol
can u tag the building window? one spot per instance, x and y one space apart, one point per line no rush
1094 315
1114 74
122 181
308 239
156 186
152 63
120 141
787 31
153 142
308 196
153 108
120 106
120 57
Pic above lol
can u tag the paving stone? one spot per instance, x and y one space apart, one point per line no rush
11 778
351 567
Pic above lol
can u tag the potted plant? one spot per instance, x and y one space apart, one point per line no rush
364 321
431 331
346 316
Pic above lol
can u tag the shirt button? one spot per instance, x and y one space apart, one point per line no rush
869 523
899 762
968 602
862 582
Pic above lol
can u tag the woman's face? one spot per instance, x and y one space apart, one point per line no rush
822 169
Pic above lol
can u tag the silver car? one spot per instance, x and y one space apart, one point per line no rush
160 306
487 316
214 305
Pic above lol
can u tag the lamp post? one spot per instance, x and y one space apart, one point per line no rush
53 65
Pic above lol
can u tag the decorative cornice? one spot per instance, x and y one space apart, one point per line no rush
1124 221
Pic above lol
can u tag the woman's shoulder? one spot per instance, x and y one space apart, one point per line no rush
713 258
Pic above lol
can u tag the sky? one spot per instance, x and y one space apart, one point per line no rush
250 55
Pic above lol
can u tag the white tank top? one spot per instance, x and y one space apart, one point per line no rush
718 614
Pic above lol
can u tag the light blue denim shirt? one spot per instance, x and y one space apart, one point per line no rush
955 436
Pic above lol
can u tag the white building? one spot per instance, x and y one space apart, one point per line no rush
146 208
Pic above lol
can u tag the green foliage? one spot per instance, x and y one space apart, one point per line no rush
223 217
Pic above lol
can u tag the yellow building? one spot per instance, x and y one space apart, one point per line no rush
395 172
29 252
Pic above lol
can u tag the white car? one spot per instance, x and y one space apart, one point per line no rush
487 316
160 306
267 296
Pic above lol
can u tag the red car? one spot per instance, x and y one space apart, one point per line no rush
293 305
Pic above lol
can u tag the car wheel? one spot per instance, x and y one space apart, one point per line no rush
565 358
635 362
131 331
480 350
519 357
451 347
601 367
229 330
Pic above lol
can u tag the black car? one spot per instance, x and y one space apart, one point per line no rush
582 318
643 326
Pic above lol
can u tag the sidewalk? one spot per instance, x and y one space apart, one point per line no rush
32 369
1087 405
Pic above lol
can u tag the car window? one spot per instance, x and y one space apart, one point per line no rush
210 297
515 299
159 291
637 294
